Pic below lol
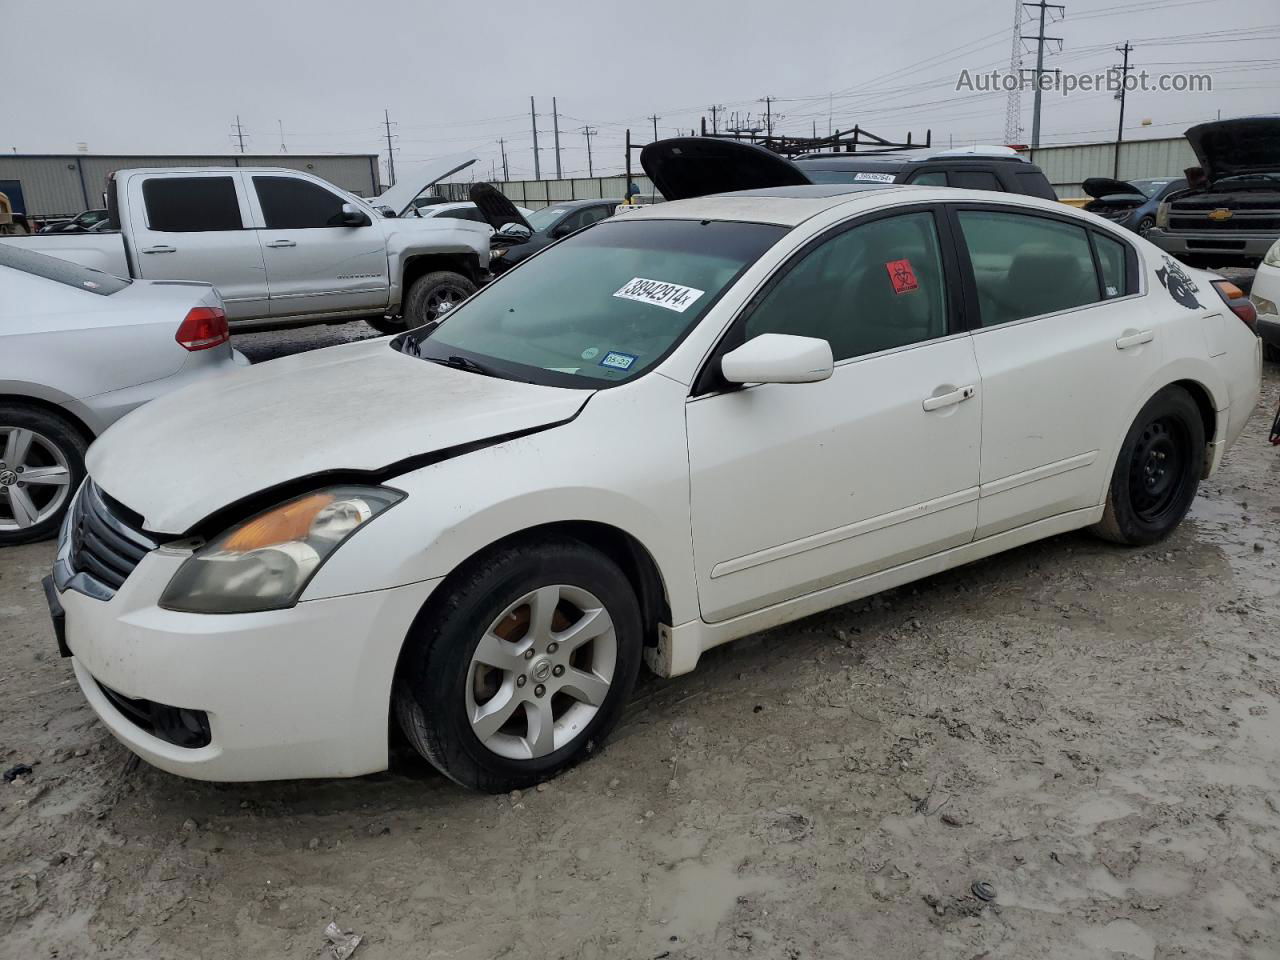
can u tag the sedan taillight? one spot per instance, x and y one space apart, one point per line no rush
203 327
1237 303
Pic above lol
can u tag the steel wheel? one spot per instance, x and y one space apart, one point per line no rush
35 478
541 672
1157 469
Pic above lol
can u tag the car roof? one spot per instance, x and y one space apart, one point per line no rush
840 161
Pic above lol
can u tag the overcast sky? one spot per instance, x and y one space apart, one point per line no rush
170 76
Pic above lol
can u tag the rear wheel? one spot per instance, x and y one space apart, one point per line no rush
41 465
523 668
1157 472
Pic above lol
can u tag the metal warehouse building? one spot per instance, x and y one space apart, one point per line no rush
63 184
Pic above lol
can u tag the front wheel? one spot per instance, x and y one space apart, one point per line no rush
523 668
1157 472
433 295
41 465
1144 226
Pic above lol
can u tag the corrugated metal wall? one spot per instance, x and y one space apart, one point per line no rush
1068 166
56 185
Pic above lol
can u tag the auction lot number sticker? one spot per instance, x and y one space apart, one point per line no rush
671 296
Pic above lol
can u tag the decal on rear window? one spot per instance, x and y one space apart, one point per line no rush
874 177
672 296
902 276
618 361
1181 287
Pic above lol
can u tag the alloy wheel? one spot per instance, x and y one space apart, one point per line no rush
442 300
35 478
541 672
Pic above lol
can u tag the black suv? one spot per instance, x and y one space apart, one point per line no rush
970 171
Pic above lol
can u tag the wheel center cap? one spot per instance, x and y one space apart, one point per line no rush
8 478
540 670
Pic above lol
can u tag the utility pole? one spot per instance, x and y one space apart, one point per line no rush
1124 75
391 157
1040 38
283 148
1013 105
587 132
502 145
655 118
715 109
768 116
240 133
555 126
533 118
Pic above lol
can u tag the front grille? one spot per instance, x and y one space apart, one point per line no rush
1241 224
106 544
176 725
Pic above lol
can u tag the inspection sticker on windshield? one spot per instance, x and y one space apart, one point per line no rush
874 177
617 360
672 296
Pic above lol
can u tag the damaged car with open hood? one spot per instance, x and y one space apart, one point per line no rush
663 432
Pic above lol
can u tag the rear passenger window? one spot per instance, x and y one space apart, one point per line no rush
975 180
1034 184
291 204
1111 260
1026 266
936 178
191 204
874 287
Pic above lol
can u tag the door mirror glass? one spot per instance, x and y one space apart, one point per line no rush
778 358
353 216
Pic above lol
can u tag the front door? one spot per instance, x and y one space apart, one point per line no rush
315 264
798 487
195 226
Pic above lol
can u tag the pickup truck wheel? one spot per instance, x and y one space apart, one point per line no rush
41 465
386 324
433 295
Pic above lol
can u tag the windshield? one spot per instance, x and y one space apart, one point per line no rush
601 307
60 271
878 174
541 219
1150 188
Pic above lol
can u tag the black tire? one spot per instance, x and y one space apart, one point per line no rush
1270 352
1157 472
430 292
1144 226
387 324
69 441
432 682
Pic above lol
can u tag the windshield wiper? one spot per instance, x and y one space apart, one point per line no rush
458 362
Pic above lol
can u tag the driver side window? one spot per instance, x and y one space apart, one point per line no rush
874 287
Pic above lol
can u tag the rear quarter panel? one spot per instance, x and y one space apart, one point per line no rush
101 251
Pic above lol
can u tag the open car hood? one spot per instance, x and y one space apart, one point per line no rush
1099 187
1229 148
416 179
497 210
685 167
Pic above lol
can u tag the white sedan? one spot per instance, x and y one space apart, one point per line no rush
667 431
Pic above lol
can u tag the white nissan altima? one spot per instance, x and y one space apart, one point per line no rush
667 431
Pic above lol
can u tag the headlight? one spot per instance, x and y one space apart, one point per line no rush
497 253
265 562
1162 216
1272 258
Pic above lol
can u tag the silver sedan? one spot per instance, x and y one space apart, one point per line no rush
78 350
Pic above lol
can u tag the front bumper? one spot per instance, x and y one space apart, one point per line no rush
1249 246
304 692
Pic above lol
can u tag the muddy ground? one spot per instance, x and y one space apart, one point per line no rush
1093 731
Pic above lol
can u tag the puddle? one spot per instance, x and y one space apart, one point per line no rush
696 897
1101 809
1121 936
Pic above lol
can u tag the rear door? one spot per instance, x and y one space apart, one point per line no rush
196 226
316 264
1064 343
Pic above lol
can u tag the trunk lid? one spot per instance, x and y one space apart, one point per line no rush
353 408
1229 148
686 167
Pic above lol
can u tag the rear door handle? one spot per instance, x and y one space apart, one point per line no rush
282 243
1135 339
959 395
160 249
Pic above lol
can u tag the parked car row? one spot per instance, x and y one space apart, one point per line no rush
889 380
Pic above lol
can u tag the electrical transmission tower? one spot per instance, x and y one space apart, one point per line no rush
1013 107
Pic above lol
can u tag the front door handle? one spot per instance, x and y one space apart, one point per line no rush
282 243
1135 339
958 395
160 249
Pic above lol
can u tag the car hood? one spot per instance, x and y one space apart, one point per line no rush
414 180
351 410
1099 187
685 167
1228 148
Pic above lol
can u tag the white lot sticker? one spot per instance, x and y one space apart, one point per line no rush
672 296
875 177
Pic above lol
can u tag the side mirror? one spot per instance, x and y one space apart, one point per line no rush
353 216
778 358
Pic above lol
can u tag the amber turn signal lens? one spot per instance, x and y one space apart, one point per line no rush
282 525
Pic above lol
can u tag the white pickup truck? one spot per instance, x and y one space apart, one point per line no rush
285 248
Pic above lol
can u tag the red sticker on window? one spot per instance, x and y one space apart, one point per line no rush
903 277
